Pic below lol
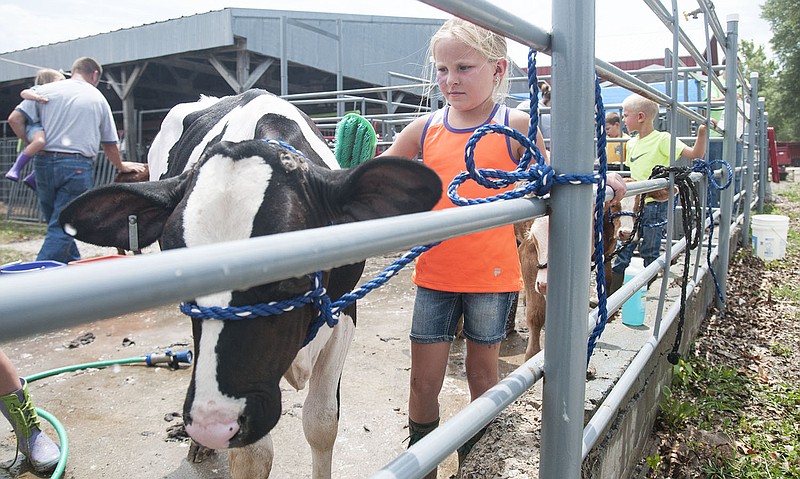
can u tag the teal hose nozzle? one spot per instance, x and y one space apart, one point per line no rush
172 358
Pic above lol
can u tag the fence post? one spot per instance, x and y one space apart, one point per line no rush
729 154
570 230
763 155
751 147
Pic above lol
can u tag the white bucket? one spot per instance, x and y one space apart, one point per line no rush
769 236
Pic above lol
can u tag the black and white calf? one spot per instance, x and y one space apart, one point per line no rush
216 183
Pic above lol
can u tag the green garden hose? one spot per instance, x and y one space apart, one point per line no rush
151 360
62 441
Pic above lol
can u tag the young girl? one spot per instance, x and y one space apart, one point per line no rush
476 275
33 131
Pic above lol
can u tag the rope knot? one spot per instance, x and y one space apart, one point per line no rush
537 178
707 168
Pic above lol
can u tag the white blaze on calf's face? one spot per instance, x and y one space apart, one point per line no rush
626 222
540 234
222 207
225 200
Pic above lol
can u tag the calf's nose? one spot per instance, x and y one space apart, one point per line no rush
214 435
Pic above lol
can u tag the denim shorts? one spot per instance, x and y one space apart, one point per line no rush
436 315
32 128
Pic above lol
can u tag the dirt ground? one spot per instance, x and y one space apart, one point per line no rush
758 336
118 419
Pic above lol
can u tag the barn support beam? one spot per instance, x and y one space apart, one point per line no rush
124 87
229 77
242 79
284 49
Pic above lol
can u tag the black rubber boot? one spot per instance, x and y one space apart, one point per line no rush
418 431
615 282
467 446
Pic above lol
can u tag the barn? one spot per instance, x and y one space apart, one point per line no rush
150 68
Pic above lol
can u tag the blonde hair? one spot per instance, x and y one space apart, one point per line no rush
637 103
489 44
48 75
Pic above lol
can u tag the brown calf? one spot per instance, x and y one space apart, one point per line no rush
532 237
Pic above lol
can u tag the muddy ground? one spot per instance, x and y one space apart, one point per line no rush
118 419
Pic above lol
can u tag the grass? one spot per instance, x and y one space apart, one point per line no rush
14 232
782 350
701 393
761 416
714 398
771 445
793 193
786 292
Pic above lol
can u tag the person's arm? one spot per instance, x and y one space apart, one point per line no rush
520 121
112 153
407 142
699 148
30 94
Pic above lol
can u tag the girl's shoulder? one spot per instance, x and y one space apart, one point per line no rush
517 115
519 120
421 122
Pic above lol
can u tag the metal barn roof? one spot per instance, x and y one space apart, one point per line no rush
158 65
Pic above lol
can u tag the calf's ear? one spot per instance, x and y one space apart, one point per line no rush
100 216
388 186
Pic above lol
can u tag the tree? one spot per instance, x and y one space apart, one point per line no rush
783 104
755 60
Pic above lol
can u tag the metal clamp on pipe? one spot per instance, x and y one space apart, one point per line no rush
173 359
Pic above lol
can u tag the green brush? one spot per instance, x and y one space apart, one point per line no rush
355 141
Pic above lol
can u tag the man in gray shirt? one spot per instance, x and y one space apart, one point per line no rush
77 121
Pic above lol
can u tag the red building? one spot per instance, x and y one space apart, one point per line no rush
629 65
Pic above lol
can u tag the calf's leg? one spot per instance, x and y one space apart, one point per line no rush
253 461
321 408
535 306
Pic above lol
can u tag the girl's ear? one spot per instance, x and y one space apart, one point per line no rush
500 67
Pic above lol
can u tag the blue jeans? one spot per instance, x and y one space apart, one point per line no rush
650 237
436 315
60 179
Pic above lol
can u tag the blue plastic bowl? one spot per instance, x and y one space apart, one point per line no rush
30 266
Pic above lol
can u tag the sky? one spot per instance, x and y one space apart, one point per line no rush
626 29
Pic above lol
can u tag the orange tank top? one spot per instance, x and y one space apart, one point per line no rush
483 262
